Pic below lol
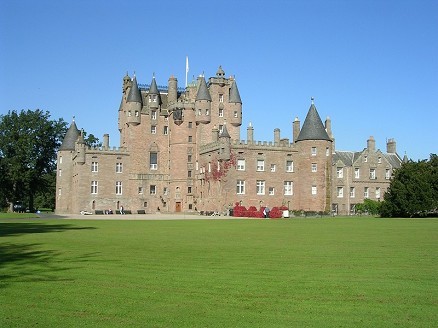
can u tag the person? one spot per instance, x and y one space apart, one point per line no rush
266 212
110 211
121 210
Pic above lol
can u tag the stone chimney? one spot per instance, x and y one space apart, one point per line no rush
250 133
296 129
391 146
371 144
276 136
106 141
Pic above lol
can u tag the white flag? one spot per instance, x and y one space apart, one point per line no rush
187 64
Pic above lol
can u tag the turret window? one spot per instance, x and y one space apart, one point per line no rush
235 114
221 98
313 151
207 112
154 114
153 129
221 112
152 98
165 130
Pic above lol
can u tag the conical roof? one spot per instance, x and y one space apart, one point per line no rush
234 94
153 90
313 129
134 94
203 93
224 133
70 137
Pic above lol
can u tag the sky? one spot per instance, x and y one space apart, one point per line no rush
371 65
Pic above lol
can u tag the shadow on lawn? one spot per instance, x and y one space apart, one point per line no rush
30 262
21 228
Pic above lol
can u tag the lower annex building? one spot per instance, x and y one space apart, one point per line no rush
180 151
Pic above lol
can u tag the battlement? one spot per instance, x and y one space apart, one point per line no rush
108 150
284 143
161 88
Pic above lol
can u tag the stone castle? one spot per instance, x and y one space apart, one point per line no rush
180 151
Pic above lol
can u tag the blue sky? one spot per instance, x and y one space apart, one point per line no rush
372 66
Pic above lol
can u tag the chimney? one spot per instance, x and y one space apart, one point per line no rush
276 136
371 144
250 133
296 129
391 146
106 141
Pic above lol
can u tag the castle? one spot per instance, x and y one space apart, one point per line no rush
180 151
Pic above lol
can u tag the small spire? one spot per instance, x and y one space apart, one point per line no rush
74 118
250 125
312 100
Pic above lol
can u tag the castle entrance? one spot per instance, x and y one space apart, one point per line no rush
178 207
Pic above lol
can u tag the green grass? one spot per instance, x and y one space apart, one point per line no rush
338 272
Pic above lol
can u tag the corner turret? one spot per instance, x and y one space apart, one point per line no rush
203 103
134 104
154 95
313 129
70 137
235 104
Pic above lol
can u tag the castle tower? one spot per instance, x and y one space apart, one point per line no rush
65 167
313 190
154 99
203 103
134 104
235 105
172 95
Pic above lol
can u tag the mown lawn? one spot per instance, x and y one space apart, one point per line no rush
337 272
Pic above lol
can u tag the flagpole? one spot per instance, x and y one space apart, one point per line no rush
187 68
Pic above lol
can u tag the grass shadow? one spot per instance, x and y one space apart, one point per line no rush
20 228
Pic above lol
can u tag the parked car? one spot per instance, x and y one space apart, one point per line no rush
19 207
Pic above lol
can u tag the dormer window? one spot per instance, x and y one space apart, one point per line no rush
153 98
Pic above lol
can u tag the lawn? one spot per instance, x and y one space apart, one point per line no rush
336 272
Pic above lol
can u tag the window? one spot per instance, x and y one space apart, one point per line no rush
260 165
153 160
365 158
190 125
189 174
154 114
240 188
118 187
340 192
59 192
199 112
140 190
189 158
119 167
221 112
137 113
378 192
165 190
387 174
313 190
94 167
314 167
379 160
165 130
340 172
366 192
207 112
189 190
152 98
153 189
313 151
60 159
372 174
271 191
260 187
273 167
190 139
60 172
153 129
240 165
221 98
289 166
288 188
94 187
352 192
356 173
235 114
327 151
221 128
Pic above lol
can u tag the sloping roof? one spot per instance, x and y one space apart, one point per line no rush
153 90
346 157
224 132
203 93
313 129
70 137
134 94
393 159
234 94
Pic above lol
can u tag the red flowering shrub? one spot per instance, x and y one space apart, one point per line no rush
275 213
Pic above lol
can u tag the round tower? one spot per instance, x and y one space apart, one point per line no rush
203 103
133 104
235 104
172 95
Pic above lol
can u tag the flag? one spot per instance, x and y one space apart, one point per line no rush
187 64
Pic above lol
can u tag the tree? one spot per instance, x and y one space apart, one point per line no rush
91 140
413 191
369 206
29 141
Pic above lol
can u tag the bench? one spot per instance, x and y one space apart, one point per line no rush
141 212
99 212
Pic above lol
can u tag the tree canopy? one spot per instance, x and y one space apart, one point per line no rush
413 191
29 141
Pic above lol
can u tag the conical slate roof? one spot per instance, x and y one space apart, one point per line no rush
70 137
224 133
313 129
153 90
234 94
203 93
134 94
